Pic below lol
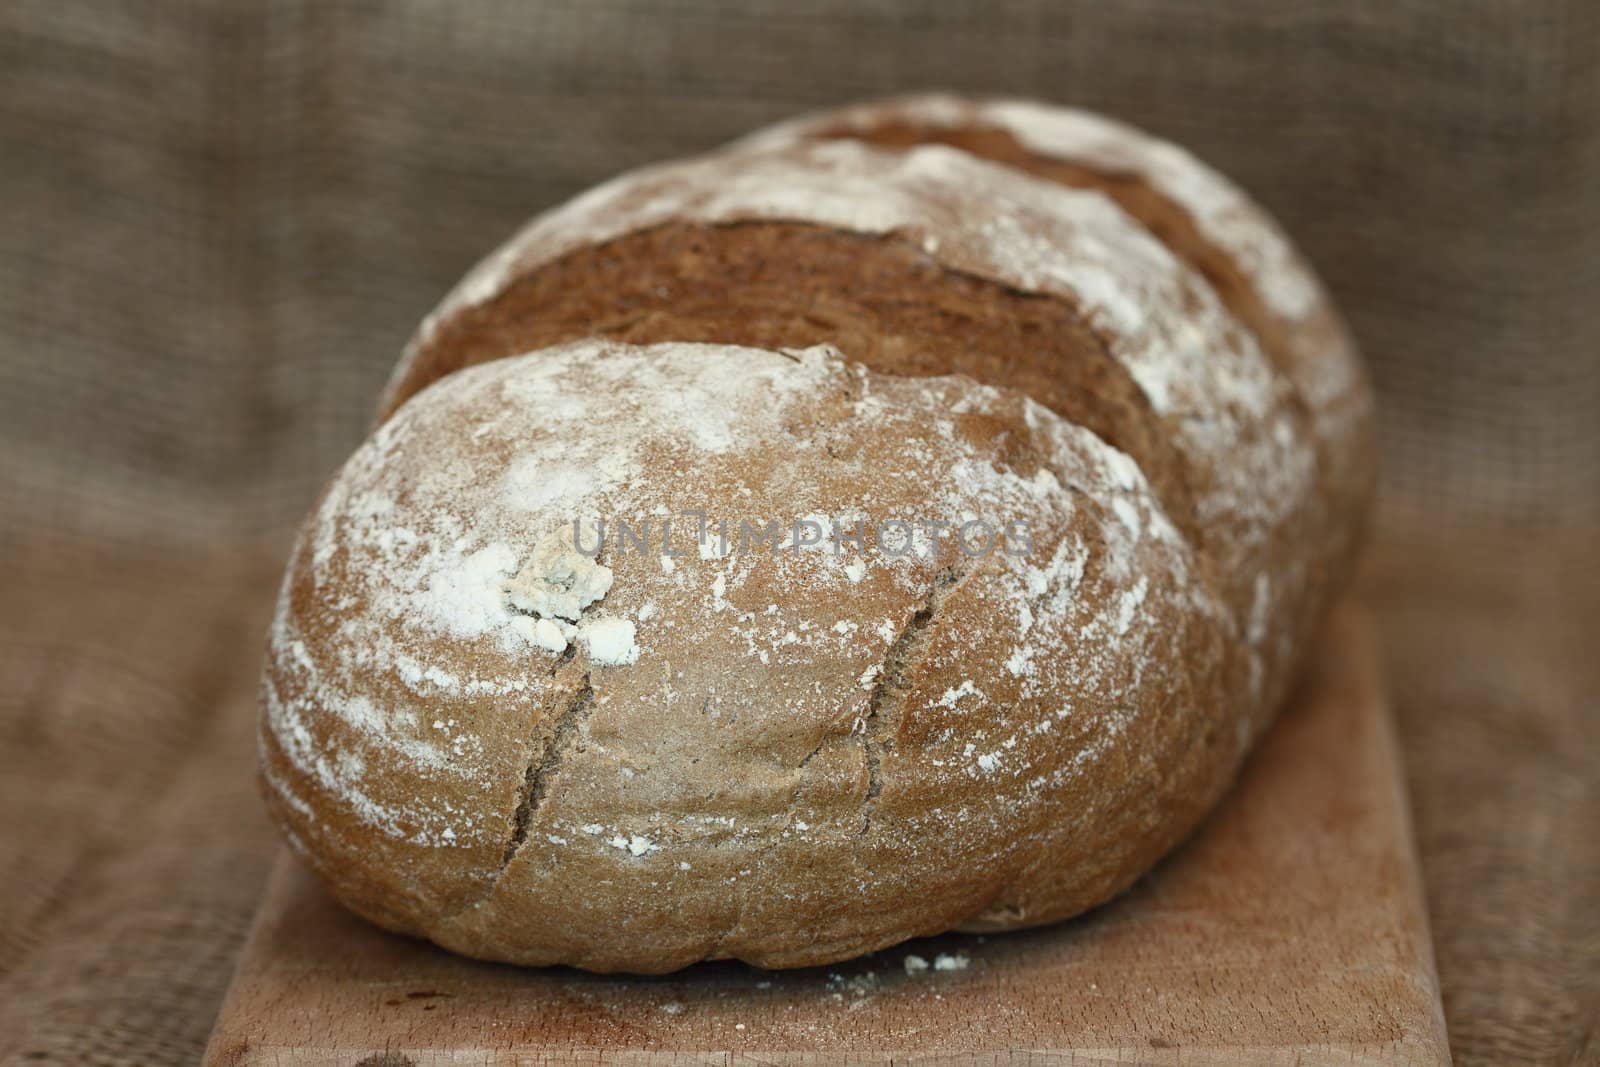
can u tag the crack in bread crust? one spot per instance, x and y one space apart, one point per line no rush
542 768
540 771
886 701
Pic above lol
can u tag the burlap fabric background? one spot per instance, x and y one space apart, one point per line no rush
218 224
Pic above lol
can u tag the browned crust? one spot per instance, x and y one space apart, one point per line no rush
1348 466
1166 220
882 300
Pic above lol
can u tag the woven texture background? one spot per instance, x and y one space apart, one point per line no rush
218 224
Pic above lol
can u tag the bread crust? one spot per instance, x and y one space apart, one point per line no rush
812 753
808 758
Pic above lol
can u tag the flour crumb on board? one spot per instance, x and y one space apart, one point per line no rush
860 988
943 962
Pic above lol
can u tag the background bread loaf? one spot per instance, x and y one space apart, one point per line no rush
926 308
1209 223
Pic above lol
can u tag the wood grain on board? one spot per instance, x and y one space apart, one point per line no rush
1290 930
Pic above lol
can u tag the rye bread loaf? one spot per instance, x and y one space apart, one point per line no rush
478 733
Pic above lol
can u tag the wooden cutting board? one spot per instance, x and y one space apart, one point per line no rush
1290 930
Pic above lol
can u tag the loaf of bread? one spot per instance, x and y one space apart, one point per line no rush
903 520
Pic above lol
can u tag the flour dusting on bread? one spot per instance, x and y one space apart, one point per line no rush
816 676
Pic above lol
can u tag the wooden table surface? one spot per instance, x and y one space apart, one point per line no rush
1290 930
